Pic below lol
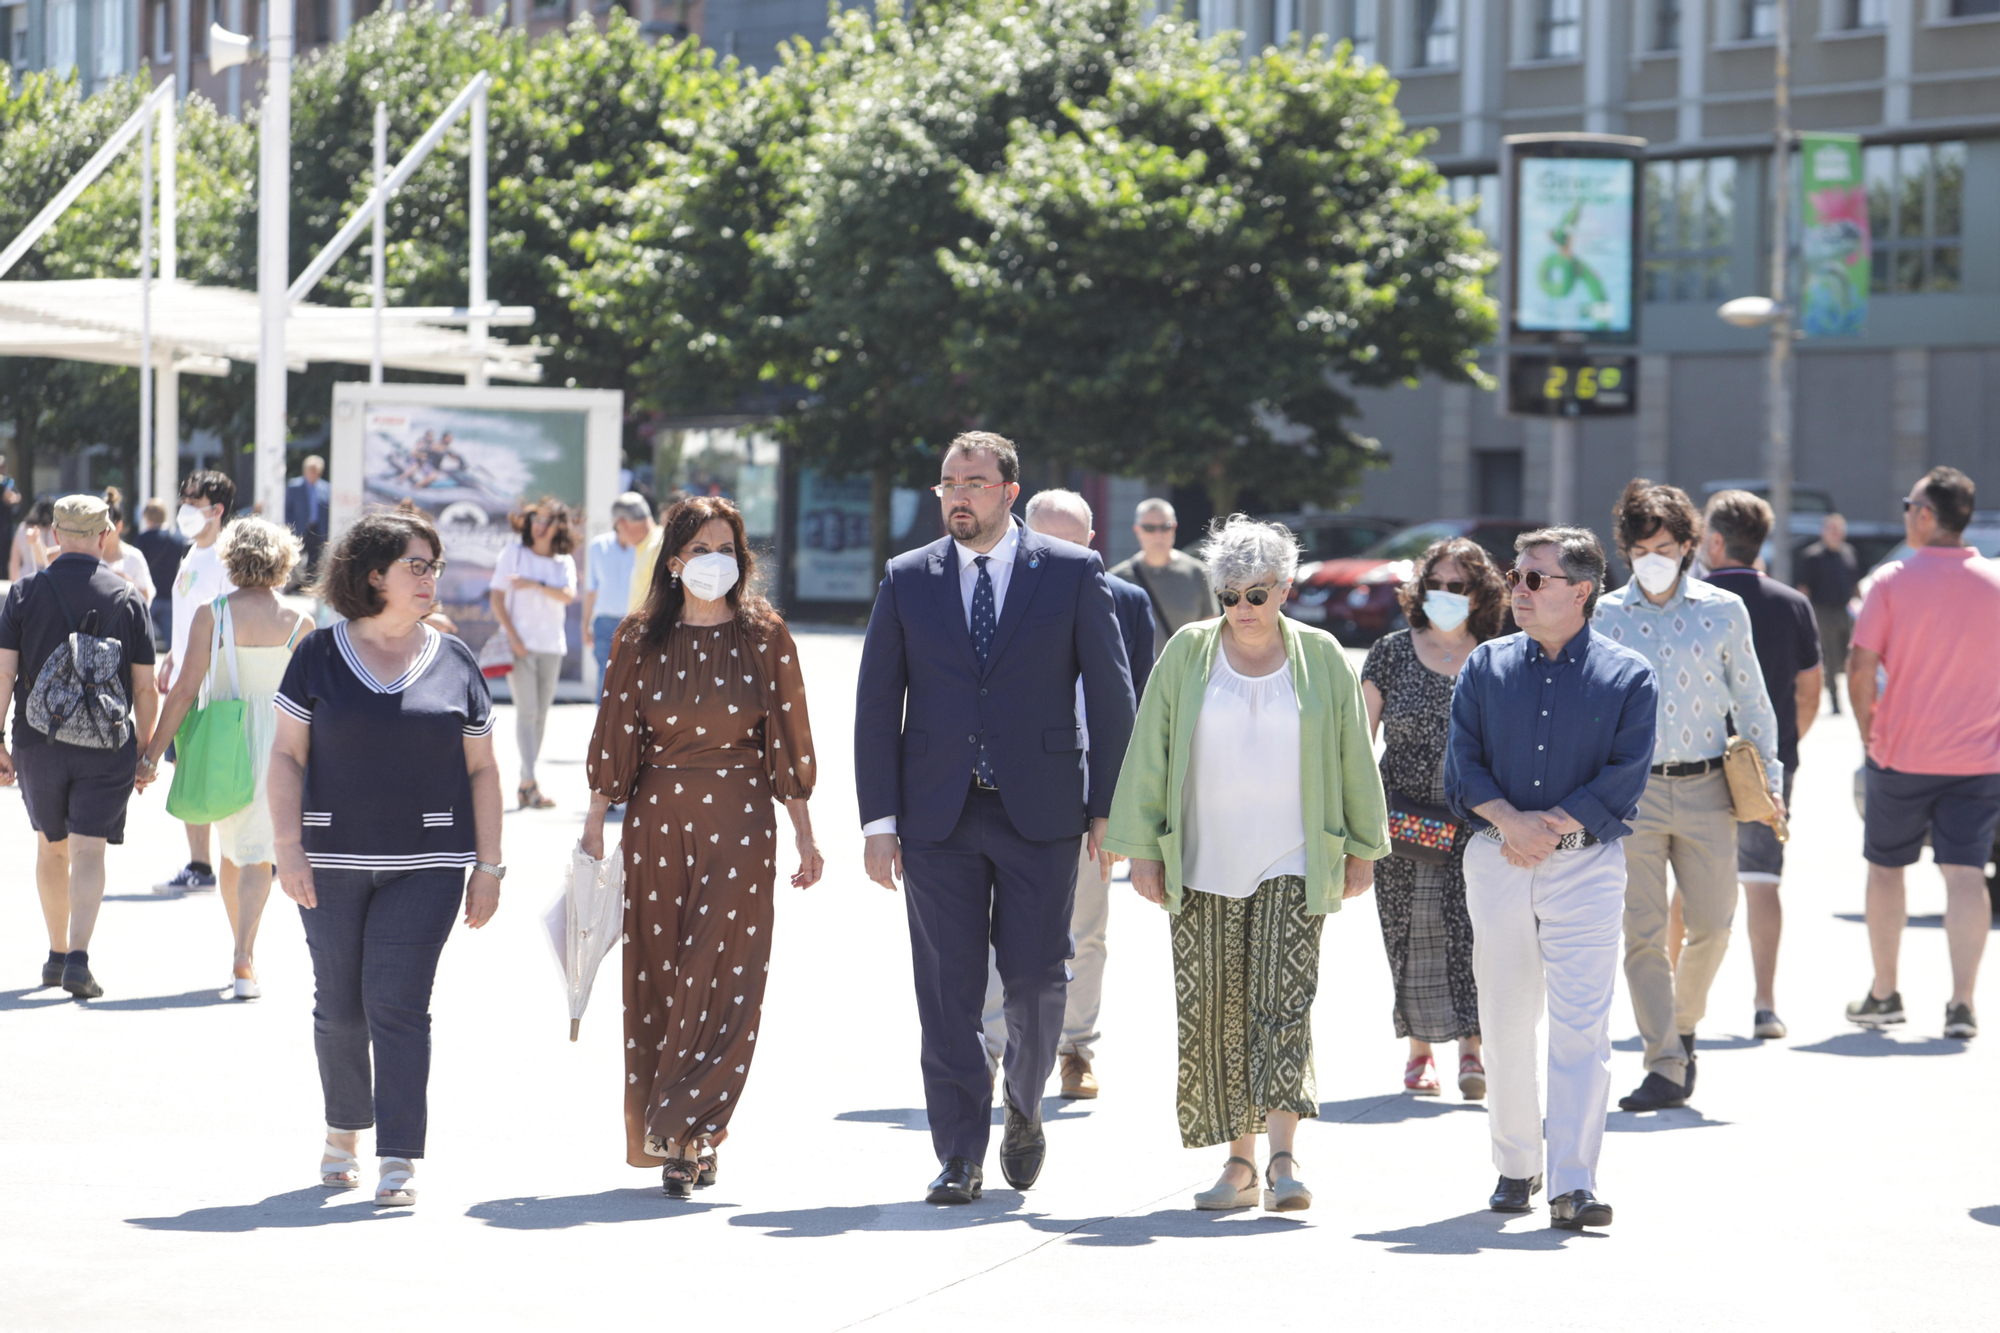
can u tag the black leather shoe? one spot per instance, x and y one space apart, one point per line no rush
76 979
961 1181
1687 1046
1511 1195
1578 1209
1657 1093
1022 1147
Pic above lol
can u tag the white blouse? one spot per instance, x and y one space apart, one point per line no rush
1242 819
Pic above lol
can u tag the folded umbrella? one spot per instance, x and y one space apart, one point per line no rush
584 922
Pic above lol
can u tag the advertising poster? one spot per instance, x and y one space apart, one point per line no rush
1574 237
466 467
835 552
1834 237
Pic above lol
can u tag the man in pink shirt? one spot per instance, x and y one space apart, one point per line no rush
1933 739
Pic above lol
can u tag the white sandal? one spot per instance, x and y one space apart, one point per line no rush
338 1168
398 1186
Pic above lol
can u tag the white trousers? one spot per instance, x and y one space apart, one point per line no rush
1087 922
1546 938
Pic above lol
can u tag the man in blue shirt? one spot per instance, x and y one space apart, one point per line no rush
607 574
1551 735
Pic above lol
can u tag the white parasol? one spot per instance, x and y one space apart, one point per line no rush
584 922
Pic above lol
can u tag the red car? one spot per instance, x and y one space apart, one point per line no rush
1355 599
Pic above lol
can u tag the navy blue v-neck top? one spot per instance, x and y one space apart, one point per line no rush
386 783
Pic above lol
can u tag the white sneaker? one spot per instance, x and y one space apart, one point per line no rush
246 988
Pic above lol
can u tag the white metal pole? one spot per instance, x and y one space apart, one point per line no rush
476 241
1564 433
379 266
273 260
145 304
169 186
1778 456
166 379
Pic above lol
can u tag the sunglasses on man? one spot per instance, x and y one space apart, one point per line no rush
1157 527
1534 578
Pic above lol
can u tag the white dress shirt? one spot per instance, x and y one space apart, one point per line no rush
999 569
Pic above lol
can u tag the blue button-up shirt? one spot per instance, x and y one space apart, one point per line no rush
1573 731
607 571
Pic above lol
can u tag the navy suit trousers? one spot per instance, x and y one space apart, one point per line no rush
986 883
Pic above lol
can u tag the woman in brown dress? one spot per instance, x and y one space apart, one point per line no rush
704 711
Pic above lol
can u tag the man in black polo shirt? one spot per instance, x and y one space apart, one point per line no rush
75 795
1828 573
1783 629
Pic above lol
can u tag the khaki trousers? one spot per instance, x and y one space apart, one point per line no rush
1686 824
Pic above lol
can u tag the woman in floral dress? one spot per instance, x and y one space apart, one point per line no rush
702 726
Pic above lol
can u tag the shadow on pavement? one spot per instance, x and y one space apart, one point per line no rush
532 1213
1184 1223
1990 1215
294 1208
143 897
1393 1109
194 999
45 997
997 1207
1655 1122
1054 1109
1469 1233
1703 1045
1871 1041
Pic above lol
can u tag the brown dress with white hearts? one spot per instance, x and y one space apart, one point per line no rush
697 741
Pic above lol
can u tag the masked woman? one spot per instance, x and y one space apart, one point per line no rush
1454 602
702 726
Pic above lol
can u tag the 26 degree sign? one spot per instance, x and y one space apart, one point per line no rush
1572 386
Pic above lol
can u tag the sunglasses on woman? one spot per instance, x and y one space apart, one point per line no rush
1453 585
1229 597
1534 578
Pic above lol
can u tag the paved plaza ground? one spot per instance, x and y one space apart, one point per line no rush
158 1146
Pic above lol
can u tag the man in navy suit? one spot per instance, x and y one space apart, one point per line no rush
307 500
984 635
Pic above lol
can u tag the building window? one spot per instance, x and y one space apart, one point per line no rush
62 35
1437 33
1862 14
1358 27
1962 9
1558 29
1759 19
1666 25
1690 221
1914 192
1499 475
163 49
1483 192
108 25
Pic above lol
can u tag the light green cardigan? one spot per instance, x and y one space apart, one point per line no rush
1345 814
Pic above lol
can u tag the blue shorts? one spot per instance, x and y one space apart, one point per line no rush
1760 857
72 789
1958 811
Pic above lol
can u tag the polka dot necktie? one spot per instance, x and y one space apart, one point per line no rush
983 624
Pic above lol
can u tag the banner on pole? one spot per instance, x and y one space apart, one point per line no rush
1833 239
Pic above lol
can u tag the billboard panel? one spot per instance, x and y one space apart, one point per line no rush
1574 246
1834 238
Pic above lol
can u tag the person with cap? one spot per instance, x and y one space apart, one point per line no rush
76 793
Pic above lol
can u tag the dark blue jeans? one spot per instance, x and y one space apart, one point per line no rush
375 939
601 630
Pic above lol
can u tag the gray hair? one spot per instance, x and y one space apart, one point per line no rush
1240 549
1153 504
1577 550
1066 503
631 507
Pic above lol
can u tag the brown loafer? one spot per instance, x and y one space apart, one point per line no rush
1078 1083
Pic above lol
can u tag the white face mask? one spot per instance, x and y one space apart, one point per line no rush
1656 573
709 577
1446 610
191 520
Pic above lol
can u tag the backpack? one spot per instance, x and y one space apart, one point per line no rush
78 698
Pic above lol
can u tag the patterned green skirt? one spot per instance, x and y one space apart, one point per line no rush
1245 973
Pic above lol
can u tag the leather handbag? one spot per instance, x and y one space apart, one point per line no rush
1420 832
213 778
1750 787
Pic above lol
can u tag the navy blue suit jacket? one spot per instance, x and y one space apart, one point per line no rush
1135 626
922 703
297 505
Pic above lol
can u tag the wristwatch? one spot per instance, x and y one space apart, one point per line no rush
498 872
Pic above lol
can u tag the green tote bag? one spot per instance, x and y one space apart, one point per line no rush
212 774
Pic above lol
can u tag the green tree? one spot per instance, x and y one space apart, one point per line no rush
1179 277
47 133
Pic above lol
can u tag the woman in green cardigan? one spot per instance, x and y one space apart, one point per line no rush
1249 852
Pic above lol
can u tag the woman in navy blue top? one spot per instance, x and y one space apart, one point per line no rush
383 791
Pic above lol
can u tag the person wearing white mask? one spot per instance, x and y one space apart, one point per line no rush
1698 638
206 499
1454 601
533 583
